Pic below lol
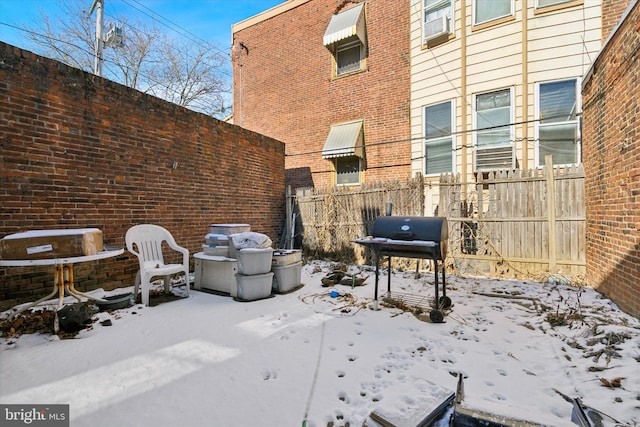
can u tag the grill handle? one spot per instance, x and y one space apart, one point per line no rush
407 235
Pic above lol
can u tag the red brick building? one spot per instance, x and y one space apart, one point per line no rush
330 79
611 157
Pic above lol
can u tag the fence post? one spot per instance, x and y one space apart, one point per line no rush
551 209
421 196
286 234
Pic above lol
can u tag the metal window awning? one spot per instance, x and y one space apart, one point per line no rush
346 24
344 139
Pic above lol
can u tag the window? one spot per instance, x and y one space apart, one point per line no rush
438 141
345 147
545 3
436 18
347 170
488 10
558 129
494 134
346 38
493 115
348 57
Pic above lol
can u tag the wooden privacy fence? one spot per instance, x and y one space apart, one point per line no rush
509 223
517 223
330 219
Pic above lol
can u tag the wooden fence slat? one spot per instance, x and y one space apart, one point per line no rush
501 222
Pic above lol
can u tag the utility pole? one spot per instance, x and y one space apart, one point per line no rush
97 67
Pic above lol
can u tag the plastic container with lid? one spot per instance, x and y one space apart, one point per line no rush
216 239
286 257
286 277
216 250
229 228
254 260
253 287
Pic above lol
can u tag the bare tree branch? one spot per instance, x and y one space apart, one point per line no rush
184 73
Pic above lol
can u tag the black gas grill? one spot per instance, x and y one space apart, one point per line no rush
411 237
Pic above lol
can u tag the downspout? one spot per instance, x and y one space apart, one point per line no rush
463 84
525 87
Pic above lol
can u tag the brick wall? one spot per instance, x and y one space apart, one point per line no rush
611 156
79 151
612 10
283 88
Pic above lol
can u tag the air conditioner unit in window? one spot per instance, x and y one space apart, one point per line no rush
494 158
436 27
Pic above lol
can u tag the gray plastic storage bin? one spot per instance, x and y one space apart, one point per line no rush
286 257
254 287
286 277
254 260
228 229
212 239
216 250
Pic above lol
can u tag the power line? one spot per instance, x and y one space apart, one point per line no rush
107 62
180 30
461 132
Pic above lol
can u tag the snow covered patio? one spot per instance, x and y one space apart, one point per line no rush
208 360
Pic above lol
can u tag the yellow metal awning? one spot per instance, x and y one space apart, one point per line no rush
346 24
344 139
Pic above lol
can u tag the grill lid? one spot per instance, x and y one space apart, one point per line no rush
433 229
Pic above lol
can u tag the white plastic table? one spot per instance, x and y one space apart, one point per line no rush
63 274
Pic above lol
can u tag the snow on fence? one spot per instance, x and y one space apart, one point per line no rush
509 223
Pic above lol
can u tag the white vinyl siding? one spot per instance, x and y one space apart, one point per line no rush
438 140
557 49
561 44
558 131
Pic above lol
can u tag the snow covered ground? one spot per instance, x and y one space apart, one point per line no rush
208 360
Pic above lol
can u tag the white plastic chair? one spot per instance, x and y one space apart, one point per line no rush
145 242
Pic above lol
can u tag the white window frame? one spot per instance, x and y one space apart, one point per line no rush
553 3
434 8
346 45
452 136
489 2
576 121
345 184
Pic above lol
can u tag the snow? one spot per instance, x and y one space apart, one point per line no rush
208 360
50 233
